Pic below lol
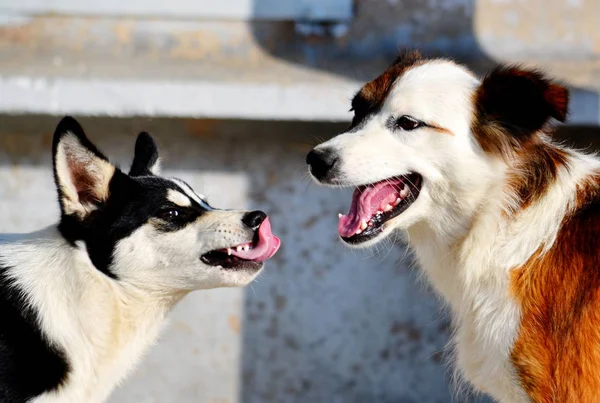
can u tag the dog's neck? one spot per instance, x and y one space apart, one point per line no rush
490 229
103 325
461 207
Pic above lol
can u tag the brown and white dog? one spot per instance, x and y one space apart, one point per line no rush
504 221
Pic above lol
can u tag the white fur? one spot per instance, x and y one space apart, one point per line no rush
156 168
456 226
189 191
178 198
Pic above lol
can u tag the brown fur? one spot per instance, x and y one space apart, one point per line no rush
557 351
372 95
512 105
440 129
535 168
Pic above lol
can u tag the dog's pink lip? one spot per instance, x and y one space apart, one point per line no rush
376 203
263 249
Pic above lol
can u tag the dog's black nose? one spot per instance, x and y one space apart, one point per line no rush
253 219
321 162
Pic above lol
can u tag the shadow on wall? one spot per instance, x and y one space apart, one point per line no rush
374 36
477 32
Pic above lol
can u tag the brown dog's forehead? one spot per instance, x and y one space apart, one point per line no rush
373 94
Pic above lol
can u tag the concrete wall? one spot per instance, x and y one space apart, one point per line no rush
322 324
295 68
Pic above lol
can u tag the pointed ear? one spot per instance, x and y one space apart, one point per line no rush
145 160
82 174
519 102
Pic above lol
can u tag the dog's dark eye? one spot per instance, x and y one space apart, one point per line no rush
407 123
169 214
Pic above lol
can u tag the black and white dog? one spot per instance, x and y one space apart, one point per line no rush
81 301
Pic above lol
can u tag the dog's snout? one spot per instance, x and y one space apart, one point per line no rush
253 219
321 162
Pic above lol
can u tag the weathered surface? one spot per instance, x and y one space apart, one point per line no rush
279 69
538 29
203 9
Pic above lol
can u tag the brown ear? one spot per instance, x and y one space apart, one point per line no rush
518 102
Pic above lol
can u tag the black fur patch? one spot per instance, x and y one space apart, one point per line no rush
146 155
131 204
29 364
512 104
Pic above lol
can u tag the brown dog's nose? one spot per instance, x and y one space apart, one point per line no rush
253 219
321 162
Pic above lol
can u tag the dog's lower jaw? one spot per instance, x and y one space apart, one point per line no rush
397 229
240 278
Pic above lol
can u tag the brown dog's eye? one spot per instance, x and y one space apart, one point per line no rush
407 123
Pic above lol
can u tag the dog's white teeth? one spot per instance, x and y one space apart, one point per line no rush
404 192
246 248
398 200
340 215
363 225
388 207
229 251
239 248
358 231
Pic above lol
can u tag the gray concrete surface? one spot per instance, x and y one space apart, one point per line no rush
326 10
321 324
295 69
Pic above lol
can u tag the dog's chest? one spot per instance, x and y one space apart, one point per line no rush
485 317
121 365
486 329
123 353
93 378
104 348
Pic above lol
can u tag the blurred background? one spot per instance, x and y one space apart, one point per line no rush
236 92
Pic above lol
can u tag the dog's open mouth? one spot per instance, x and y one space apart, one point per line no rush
374 204
249 255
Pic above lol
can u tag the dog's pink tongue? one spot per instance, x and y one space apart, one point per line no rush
350 223
366 202
265 248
